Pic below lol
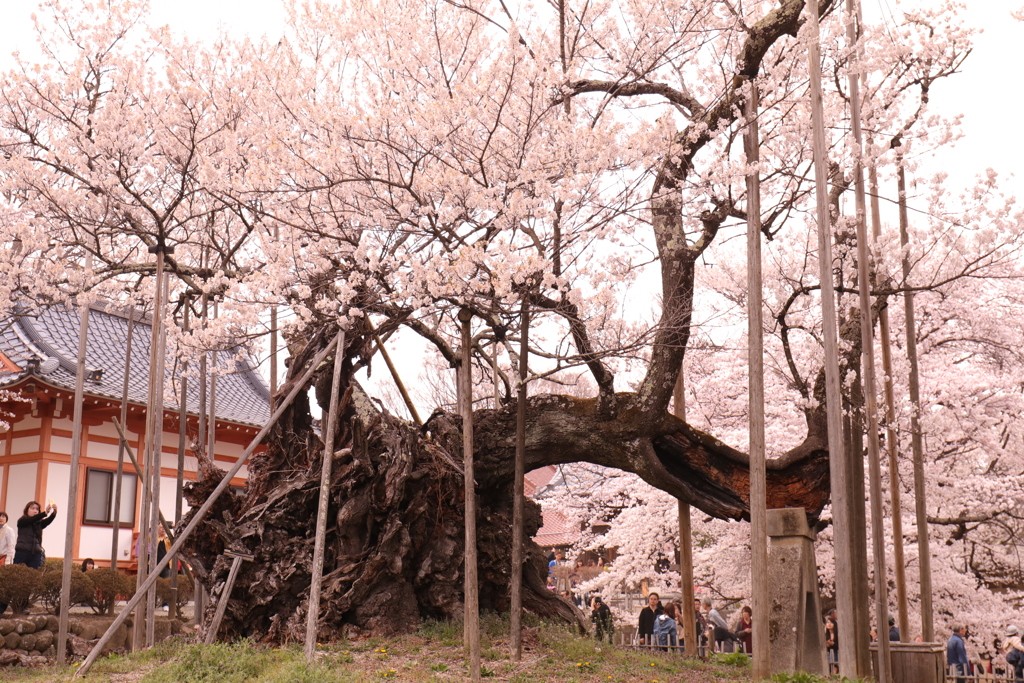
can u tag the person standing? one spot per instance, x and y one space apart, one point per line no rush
719 625
7 540
956 653
1014 651
645 627
832 644
744 629
601 615
894 630
666 633
7 537
28 549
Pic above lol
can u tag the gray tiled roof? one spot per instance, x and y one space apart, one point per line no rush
242 396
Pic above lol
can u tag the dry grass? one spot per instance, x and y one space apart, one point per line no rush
552 654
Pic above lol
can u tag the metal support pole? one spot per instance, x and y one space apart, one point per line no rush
313 610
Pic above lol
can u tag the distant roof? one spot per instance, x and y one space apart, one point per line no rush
242 395
556 530
536 480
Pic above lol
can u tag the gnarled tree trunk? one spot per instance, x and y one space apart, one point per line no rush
395 542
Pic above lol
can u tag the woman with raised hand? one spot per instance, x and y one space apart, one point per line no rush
29 548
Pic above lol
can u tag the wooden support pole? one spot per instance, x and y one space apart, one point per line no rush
198 589
471 599
394 374
686 596
115 536
842 533
313 610
916 438
891 438
883 671
204 509
138 470
225 594
179 484
518 502
157 453
273 340
154 422
760 603
76 456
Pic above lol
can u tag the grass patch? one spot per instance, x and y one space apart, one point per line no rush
552 654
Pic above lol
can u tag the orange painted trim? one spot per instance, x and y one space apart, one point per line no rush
21 433
44 440
42 473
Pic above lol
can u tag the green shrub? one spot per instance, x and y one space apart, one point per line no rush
110 584
82 588
734 659
163 591
218 663
19 586
53 564
798 677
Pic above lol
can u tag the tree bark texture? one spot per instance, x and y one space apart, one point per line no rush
394 548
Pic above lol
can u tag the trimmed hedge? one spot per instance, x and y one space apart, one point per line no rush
20 586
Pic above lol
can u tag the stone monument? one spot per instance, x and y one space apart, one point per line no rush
795 626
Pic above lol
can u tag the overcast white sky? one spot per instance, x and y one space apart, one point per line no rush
987 92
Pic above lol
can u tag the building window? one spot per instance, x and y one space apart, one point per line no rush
99 498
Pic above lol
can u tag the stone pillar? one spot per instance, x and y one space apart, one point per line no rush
795 625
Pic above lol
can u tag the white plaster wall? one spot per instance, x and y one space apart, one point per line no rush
3 444
229 449
29 422
94 542
60 444
25 444
107 429
106 451
168 486
3 482
57 483
21 487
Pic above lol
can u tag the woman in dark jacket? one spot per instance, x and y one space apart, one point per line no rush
29 548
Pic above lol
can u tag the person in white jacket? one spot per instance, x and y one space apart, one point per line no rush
1014 651
8 537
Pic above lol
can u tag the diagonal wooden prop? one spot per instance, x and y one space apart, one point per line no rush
221 487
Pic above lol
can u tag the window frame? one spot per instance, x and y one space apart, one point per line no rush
109 501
